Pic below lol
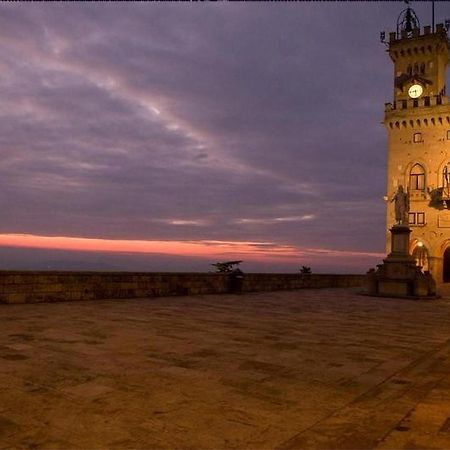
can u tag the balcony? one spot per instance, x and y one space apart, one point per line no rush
411 103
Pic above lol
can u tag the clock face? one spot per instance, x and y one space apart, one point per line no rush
415 91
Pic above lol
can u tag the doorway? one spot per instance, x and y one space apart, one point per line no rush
446 267
420 254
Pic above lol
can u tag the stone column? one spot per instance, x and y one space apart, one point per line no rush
435 264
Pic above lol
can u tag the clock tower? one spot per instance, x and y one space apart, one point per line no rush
418 126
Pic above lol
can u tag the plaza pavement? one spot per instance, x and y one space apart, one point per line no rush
302 369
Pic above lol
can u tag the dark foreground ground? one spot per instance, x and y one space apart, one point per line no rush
304 369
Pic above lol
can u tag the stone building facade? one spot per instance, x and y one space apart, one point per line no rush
418 127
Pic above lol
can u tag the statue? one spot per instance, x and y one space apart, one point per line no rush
401 206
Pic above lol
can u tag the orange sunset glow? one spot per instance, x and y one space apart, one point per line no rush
202 248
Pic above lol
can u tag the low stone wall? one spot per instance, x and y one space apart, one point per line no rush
280 282
33 287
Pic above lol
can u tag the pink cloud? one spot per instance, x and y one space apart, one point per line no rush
252 251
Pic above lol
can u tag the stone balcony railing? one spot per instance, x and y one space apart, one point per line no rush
49 286
411 103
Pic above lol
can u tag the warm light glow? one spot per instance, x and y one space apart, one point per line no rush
415 91
420 244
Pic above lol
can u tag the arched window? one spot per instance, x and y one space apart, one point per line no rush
446 181
446 174
446 266
417 178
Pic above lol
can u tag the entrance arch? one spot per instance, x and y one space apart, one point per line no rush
420 254
446 266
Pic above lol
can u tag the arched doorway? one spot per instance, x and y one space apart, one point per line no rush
446 266
420 254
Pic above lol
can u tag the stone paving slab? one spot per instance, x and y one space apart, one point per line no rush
302 369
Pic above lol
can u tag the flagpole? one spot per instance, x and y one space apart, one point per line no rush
432 15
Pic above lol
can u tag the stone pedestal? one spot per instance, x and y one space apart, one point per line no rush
399 276
400 242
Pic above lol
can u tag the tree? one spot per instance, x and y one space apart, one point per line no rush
305 269
225 267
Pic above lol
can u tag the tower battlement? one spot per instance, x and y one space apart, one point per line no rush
400 36
420 62
427 101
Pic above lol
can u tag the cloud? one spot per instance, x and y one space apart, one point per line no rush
275 220
211 249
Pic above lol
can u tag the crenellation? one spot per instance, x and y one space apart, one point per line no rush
416 33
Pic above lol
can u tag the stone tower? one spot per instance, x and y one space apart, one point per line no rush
418 126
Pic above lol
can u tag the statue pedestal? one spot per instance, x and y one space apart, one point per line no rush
400 242
399 276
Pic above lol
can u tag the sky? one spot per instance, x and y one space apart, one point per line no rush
169 136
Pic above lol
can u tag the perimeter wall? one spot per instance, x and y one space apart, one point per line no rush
46 286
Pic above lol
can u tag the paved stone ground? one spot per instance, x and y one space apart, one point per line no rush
305 369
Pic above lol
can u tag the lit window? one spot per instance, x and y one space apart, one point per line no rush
416 218
417 137
417 178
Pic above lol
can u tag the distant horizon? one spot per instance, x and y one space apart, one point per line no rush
19 258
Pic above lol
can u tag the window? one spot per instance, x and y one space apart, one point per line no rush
448 134
417 178
417 138
446 172
417 218
446 181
